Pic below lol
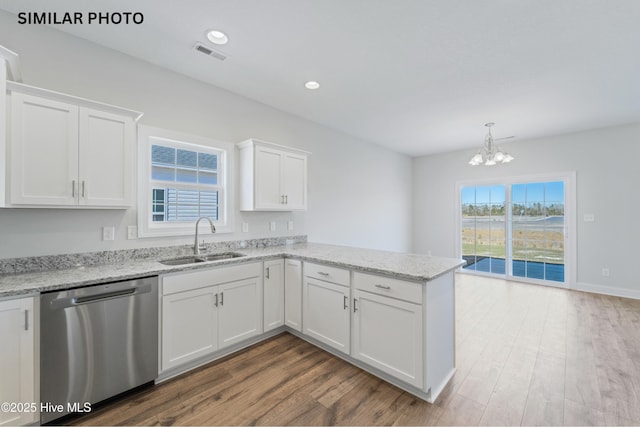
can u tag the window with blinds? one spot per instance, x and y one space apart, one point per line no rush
184 183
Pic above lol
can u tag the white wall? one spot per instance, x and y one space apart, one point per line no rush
359 194
607 179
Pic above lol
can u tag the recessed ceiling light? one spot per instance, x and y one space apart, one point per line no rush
312 85
217 37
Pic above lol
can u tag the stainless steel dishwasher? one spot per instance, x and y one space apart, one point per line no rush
96 342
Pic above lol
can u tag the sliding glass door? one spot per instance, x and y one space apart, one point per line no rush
483 228
515 229
537 230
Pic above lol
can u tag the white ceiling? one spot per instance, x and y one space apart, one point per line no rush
417 76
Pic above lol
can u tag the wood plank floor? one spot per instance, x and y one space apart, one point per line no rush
526 355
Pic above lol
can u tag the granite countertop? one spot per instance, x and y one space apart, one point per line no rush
413 267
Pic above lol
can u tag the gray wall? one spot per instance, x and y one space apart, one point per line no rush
607 179
359 193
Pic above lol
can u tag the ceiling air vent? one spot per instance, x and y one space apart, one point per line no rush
211 52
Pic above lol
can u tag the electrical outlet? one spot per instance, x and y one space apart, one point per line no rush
605 272
132 232
272 226
108 233
589 217
290 225
245 227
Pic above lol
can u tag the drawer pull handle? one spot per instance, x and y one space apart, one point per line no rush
383 287
322 273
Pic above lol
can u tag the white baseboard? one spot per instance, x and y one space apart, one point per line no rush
608 290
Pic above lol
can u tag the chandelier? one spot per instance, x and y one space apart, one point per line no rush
490 154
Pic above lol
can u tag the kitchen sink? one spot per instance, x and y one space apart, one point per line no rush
223 255
201 258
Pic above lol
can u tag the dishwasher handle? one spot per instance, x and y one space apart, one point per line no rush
66 302
103 296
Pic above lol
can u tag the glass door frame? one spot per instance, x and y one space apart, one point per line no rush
570 245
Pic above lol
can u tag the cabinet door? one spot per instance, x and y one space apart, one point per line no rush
293 294
387 334
17 360
273 294
106 159
325 311
189 326
240 310
294 181
267 180
44 151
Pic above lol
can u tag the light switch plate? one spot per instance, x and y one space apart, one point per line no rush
272 226
589 217
245 227
108 233
132 232
290 225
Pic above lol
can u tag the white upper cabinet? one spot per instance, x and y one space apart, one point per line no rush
106 158
67 152
272 177
44 151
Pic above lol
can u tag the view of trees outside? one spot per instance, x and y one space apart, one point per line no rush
537 229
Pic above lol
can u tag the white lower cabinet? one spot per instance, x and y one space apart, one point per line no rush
326 315
189 326
387 334
18 362
274 294
207 310
293 294
240 310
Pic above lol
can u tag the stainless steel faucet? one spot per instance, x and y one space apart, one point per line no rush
196 247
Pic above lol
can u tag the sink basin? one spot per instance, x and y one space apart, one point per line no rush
223 255
182 260
201 258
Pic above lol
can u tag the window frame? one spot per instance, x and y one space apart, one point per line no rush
148 136
569 179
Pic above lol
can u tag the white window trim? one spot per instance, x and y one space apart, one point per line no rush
146 134
570 222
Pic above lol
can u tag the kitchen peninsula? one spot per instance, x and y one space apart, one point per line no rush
390 313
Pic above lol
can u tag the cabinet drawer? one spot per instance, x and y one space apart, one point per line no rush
327 273
407 291
181 282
